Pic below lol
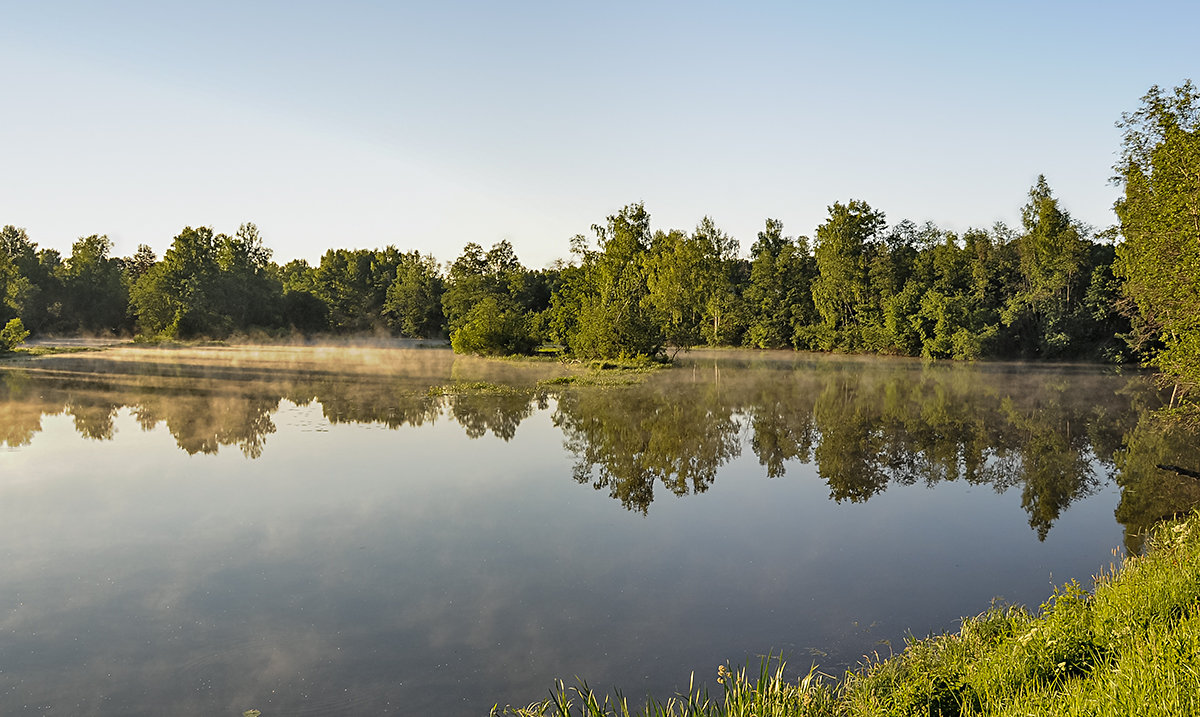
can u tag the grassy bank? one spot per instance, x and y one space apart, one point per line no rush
1129 647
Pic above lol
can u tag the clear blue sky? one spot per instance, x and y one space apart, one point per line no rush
429 125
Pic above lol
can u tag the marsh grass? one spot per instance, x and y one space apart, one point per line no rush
1129 647
477 388
604 379
49 350
767 694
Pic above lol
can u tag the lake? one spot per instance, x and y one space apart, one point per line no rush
337 531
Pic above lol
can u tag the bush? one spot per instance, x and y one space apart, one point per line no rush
494 330
12 335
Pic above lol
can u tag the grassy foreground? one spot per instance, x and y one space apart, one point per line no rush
1131 647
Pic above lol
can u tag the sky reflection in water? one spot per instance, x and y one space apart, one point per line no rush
336 538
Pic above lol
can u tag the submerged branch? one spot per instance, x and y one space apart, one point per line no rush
1176 469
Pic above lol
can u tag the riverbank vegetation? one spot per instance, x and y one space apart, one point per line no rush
1130 646
1052 288
1049 288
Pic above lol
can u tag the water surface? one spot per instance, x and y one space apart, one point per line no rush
374 531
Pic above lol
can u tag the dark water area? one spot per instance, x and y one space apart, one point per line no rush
336 531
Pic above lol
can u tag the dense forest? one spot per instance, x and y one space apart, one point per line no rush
1050 288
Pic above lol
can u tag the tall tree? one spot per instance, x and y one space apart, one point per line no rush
17 256
95 291
482 310
840 290
677 272
354 285
778 295
722 302
690 284
1159 259
176 297
247 290
414 300
1052 251
603 309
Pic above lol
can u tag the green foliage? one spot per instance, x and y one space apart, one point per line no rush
413 305
247 289
769 692
176 297
12 335
603 309
94 287
1047 290
679 272
840 290
1159 258
691 287
493 327
303 311
354 285
778 296
482 302
19 267
1052 252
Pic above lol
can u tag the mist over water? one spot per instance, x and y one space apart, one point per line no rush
350 530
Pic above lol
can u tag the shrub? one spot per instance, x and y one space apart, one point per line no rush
12 335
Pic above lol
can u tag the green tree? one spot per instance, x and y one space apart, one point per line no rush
354 284
12 335
134 267
414 300
1052 251
1159 259
17 254
95 291
677 278
840 289
176 297
493 327
302 308
481 302
247 291
723 316
603 309
778 294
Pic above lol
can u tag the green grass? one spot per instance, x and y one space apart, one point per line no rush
766 694
49 350
1129 647
476 388
598 378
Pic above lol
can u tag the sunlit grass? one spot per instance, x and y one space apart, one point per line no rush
1129 647
476 388
765 694
50 350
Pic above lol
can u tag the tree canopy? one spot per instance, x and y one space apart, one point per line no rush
1159 259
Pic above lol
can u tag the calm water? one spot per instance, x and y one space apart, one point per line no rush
317 532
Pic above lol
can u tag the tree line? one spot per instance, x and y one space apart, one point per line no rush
1045 290
1050 288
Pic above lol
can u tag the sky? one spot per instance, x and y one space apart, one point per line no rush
428 125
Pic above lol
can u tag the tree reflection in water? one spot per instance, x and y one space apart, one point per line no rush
1056 433
628 439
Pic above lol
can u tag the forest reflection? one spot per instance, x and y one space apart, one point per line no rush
1053 433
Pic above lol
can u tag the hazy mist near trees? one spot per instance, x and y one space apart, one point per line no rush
1050 288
